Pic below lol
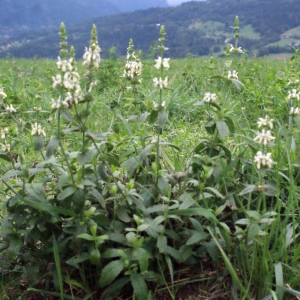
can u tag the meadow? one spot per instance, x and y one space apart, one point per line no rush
149 178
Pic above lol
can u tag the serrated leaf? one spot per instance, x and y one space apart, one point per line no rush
110 272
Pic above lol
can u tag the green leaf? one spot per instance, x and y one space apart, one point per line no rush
163 185
162 118
124 122
196 237
85 236
49 208
162 243
58 267
77 259
142 255
10 174
248 189
236 83
153 116
70 190
139 286
5 157
95 257
253 231
93 193
114 289
279 280
198 211
51 147
38 142
131 165
85 157
110 272
222 129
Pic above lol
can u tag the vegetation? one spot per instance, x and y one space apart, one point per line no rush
197 27
129 178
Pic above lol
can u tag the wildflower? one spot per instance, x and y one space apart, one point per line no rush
232 74
91 56
155 105
162 62
235 50
209 97
10 108
91 86
37 130
294 111
64 65
68 100
160 83
293 82
265 122
293 94
78 95
263 160
5 147
57 80
3 132
2 94
71 80
133 69
264 137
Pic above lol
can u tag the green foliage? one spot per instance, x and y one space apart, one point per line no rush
132 182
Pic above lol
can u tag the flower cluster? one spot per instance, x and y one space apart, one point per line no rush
294 111
10 108
133 67
236 50
232 74
159 83
37 130
265 122
293 95
162 63
263 160
91 56
264 137
2 94
210 97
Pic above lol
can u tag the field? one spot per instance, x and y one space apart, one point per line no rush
149 179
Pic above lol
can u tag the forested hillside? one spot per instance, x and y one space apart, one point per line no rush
18 16
200 28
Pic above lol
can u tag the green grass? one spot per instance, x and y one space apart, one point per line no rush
209 27
294 31
284 42
248 32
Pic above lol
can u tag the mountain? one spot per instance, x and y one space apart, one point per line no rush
19 16
197 27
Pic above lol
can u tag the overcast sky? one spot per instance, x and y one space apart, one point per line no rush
177 2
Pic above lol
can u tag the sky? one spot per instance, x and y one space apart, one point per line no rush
177 2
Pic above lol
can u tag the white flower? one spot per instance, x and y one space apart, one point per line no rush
264 137
3 132
133 69
78 95
2 94
160 83
5 147
162 62
57 80
64 65
232 74
209 97
91 56
71 80
265 122
10 108
293 94
237 50
37 130
91 86
263 160
294 111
